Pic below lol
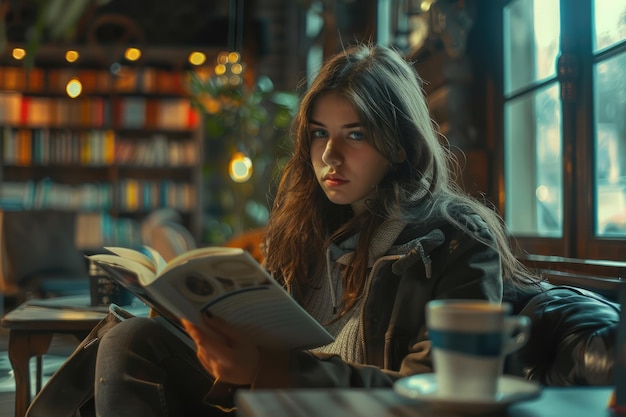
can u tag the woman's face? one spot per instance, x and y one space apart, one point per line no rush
347 167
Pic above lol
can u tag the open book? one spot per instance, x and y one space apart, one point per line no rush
227 282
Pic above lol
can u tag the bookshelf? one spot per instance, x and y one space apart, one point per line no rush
129 144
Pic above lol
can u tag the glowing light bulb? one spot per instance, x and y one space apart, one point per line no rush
233 57
222 58
19 53
197 58
74 87
71 55
237 69
220 69
240 168
132 54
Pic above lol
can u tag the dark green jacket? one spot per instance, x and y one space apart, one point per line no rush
440 261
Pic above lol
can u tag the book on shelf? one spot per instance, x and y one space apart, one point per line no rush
221 282
9 146
17 195
176 113
37 112
132 112
10 102
152 113
24 147
49 194
13 78
35 80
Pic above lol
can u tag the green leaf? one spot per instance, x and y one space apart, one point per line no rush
213 127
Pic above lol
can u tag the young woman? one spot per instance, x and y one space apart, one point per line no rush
367 226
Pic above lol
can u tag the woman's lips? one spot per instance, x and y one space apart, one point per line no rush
332 181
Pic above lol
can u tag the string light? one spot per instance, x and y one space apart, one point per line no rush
229 70
71 55
220 69
197 58
234 57
236 68
132 54
19 53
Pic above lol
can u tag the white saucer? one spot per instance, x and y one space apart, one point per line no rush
423 388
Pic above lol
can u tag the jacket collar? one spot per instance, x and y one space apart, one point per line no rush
384 238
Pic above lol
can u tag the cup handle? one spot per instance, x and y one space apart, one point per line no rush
517 330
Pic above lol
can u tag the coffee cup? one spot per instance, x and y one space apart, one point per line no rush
470 341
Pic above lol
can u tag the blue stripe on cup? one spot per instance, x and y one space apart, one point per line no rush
478 344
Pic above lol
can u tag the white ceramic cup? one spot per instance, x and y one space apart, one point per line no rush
470 340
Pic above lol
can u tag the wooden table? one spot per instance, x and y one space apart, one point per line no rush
570 402
31 327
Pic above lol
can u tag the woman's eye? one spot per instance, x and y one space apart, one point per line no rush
356 135
319 133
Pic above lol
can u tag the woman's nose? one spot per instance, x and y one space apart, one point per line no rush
332 154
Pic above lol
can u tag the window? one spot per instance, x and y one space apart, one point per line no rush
564 128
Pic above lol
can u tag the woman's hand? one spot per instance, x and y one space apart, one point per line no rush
224 352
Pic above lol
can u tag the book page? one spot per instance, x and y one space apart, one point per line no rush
201 279
143 274
134 255
157 259
233 286
131 281
202 253
270 318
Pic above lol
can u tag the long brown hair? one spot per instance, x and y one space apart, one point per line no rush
386 93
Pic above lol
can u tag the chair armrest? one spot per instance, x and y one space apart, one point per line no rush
572 340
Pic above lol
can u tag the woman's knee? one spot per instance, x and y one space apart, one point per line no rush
147 338
134 335
135 327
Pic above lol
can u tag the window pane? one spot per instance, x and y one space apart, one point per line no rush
610 146
609 18
533 164
531 42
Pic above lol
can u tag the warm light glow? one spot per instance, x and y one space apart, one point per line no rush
234 80
233 57
132 54
222 58
19 53
211 105
236 69
220 69
197 58
240 167
74 88
71 55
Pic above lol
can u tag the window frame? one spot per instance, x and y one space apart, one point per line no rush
575 76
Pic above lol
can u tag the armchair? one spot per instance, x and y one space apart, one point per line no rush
39 256
575 322
573 338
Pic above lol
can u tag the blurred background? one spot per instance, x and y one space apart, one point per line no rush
186 105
